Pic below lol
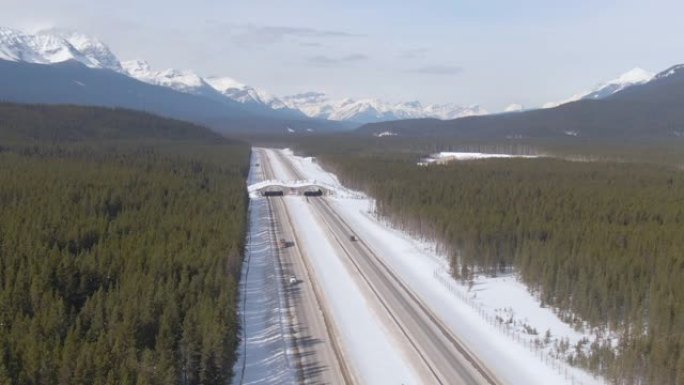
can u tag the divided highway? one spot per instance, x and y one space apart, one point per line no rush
318 354
441 354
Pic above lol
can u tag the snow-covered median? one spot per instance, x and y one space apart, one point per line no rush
496 317
265 351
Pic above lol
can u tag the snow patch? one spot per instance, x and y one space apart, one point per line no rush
384 133
515 107
444 157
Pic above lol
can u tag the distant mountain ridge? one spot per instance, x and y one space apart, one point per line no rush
57 46
58 67
631 78
319 105
653 109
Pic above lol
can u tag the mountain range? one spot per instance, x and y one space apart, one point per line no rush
57 67
221 102
57 46
651 109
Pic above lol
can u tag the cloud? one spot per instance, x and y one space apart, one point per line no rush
327 61
254 34
413 53
439 69
310 44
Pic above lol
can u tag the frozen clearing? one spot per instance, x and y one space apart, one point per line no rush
265 345
496 318
444 157
476 155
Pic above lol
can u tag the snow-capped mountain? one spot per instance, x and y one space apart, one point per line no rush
56 46
631 78
180 80
514 107
53 46
98 54
319 105
243 93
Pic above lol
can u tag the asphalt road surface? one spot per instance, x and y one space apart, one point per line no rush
318 353
441 354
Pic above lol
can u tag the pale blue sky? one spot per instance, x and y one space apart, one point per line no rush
491 53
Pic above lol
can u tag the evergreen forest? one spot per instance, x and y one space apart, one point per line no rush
600 242
120 248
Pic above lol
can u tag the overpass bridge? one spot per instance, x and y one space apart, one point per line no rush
276 187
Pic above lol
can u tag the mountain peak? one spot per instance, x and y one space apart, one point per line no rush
636 75
514 107
224 83
94 49
136 66
180 80
628 79
55 46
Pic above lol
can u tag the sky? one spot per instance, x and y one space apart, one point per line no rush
487 52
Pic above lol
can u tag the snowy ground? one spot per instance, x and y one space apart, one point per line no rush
265 342
497 318
444 157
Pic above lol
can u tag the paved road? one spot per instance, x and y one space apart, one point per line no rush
318 352
440 352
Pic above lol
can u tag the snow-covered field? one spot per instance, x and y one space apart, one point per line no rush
497 318
443 157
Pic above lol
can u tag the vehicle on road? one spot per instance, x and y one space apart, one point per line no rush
293 280
284 243
353 238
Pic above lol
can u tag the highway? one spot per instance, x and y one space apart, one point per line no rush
439 352
318 352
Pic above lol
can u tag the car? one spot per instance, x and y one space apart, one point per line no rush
293 280
284 243
353 238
